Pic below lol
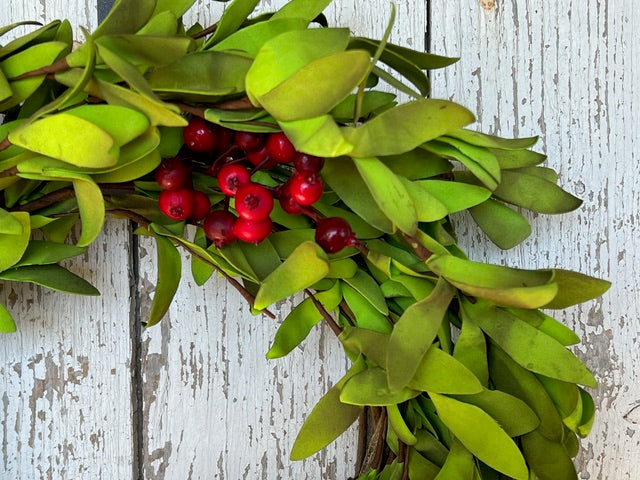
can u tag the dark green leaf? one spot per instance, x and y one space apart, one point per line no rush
234 15
504 226
574 288
44 253
50 276
169 273
250 39
549 460
492 141
459 465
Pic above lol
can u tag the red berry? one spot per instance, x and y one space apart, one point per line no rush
253 202
177 204
231 177
218 227
333 234
306 188
201 205
173 174
199 135
280 148
223 138
249 141
308 163
260 158
287 201
252 232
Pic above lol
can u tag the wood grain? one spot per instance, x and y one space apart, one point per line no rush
565 70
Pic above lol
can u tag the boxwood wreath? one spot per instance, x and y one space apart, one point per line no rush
271 137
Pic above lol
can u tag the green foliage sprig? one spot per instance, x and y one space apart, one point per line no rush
460 371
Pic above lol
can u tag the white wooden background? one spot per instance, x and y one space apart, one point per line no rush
84 394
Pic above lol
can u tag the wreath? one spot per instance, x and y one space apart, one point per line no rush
266 149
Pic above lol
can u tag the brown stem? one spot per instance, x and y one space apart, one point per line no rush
10 172
205 32
239 104
4 144
47 200
59 66
422 252
407 453
327 317
402 450
375 449
350 315
186 108
363 430
136 217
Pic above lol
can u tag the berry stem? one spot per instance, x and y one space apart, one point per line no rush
4 144
205 32
422 252
327 317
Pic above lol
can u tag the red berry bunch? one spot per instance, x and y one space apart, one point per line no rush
228 156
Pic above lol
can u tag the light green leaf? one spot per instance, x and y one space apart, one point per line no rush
491 141
328 419
232 18
389 193
320 136
121 123
297 325
414 333
50 276
405 127
9 225
502 285
417 164
305 266
68 138
169 272
366 315
428 208
459 465
439 372
369 289
306 9
344 179
91 206
126 16
164 23
471 349
370 388
529 347
588 413
13 246
282 56
44 253
7 325
455 196
177 7
147 50
486 439
370 343
504 226
518 158
372 101
476 170
574 288
513 415
315 89
5 89
399 425
250 39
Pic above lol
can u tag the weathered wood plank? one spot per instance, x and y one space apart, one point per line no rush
214 407
564 69
65 394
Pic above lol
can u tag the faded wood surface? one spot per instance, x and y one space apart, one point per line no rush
85 394
568 70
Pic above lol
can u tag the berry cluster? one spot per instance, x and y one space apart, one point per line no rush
229 154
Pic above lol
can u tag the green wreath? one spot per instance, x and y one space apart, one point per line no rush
270 137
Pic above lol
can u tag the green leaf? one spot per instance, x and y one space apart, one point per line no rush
389 193
367 342
534 193
405 127
417 164
35 37
343 268
121 123
297 325
306 9
315 89
68 138
234 15
471 349
320 136
131 171
91 206
485 439
439 372
490 141
5 89
459 465
147 50
305 266
515 380
518 158
476 170
164 23
13 246
529 347
588 413
177 7
420 467
370 388
428 208
263 257
201 75
575 288
54 277
7 28
9 224
549 460
513 415
414 333
455 196
250 39
328 419
344 179
502 285
126 16
399 425
372 101
366 315
40 252
7 325
282 56
169 273
369 289
504 226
